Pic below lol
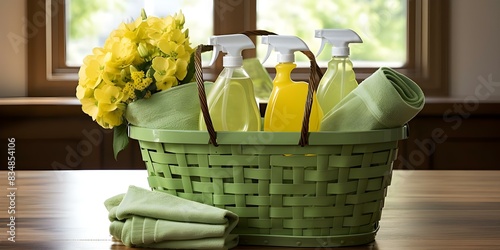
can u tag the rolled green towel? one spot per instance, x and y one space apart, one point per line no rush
143 218
386 99
177 108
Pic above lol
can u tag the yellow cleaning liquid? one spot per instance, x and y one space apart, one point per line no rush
338 81
231 103
285 109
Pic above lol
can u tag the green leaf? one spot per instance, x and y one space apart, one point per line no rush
120 139
150 72
152 87
139 94
190 71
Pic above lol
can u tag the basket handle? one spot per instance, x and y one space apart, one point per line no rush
314 76
201 92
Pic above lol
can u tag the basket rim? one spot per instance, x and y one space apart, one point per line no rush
267 138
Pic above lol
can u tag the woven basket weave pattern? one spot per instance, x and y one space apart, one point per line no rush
279 190
326 190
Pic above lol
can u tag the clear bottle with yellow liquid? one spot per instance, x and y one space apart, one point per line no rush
286 105
231 101
339 79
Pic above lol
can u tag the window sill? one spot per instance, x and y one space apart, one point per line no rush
28 101
30 107
70 106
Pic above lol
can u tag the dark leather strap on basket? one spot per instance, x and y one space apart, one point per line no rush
201 91
258 33
314 77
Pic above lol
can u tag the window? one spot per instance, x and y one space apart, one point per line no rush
422 53
381 25
89 22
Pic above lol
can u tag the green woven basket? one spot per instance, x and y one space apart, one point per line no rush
301 189
328 193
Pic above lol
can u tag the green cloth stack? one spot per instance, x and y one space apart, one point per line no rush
386 99
153 219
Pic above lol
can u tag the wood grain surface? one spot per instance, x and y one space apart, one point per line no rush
423 210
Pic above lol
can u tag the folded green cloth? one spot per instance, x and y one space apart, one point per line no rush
143 218
386 99
177 108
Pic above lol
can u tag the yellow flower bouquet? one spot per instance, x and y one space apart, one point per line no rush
138 59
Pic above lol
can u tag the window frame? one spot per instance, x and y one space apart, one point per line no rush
427 53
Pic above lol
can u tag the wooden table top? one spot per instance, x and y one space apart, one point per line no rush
423 210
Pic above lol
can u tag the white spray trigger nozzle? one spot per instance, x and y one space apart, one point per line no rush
285 46
323 41
215 53
339 38
232 45
270 48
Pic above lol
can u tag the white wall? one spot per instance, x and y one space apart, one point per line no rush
475 48
474 36
13 65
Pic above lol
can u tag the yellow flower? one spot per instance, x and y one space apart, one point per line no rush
171 49
91 71
143 50
90 107
113 78
121 53
156 28
179 19
133 30
181 67
140 81
129 92
137 76
177 36
165 69
82 92
138 59
113 118
108 97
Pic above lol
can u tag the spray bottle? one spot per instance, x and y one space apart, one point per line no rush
339 78
231 101
285 109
